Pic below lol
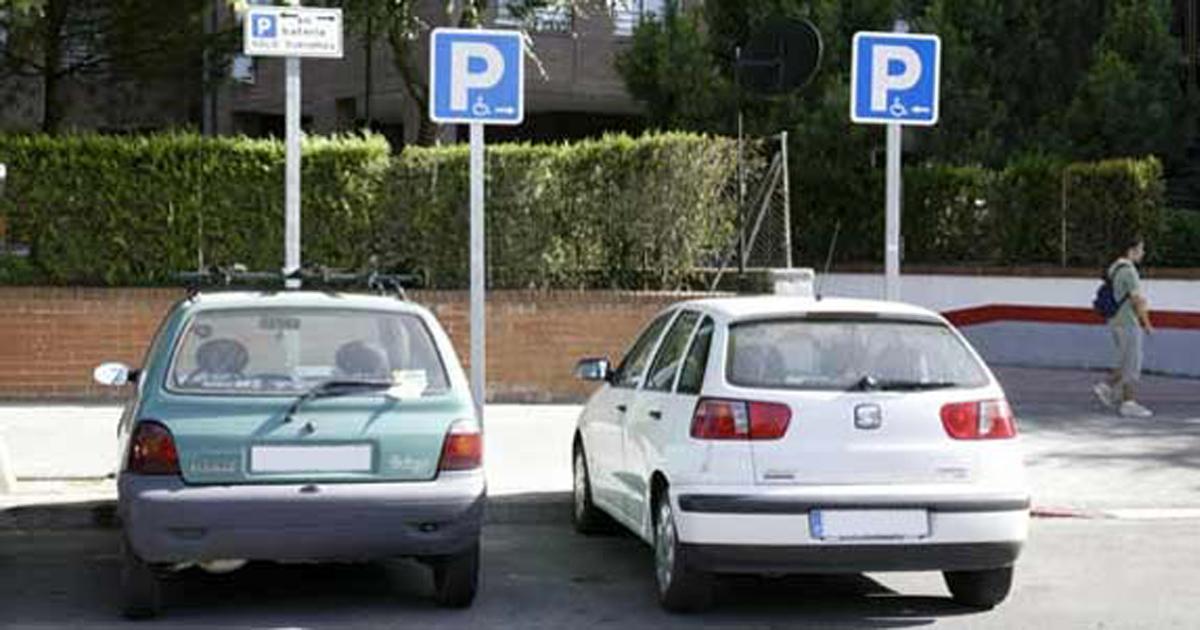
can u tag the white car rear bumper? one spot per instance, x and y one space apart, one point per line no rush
774 531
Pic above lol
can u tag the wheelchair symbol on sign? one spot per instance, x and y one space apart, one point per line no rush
480 108
897 108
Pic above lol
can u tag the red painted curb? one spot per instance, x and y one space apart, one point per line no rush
1051 512
1180 320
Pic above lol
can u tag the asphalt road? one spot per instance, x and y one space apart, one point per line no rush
1074 574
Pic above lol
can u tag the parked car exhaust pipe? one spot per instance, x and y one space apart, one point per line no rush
221 567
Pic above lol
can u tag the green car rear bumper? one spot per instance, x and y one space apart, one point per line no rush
168 521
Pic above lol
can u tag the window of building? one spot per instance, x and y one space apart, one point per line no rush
627 14
550 17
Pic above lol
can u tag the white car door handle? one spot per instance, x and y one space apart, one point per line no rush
656 415
621 408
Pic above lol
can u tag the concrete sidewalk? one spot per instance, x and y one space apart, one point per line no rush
1082 458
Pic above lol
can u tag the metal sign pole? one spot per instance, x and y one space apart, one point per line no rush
291 193
892 237
478 358
787 200
292 32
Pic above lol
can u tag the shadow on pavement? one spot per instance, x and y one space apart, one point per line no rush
534 576
60 516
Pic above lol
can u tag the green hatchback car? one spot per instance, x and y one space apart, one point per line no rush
297 426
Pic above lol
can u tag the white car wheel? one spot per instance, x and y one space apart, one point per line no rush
680 588
587 517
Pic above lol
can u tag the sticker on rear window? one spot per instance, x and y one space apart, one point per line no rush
275 322
408 383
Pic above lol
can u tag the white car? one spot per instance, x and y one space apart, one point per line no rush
791 435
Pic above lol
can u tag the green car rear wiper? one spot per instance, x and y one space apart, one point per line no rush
332 388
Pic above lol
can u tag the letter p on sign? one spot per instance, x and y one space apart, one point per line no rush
884 60
466 76
264 26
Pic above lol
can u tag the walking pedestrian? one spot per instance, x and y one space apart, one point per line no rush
1129 324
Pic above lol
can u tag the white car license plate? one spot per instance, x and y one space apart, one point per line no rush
868 524
283 459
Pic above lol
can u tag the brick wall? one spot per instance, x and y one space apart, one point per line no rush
51 338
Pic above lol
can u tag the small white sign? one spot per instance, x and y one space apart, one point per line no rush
288 459
868 524
293 32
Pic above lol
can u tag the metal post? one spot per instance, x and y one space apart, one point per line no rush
1190 45
1065 199
478 318
892 236
369 72
741 165
291 193
208 122
787 201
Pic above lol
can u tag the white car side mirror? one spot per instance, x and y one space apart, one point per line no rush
111 374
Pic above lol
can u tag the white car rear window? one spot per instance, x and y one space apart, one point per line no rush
838 355
287 351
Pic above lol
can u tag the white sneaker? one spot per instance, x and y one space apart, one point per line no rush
1105 393
1131 409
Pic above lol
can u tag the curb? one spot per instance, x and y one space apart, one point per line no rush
523 509
1060 512
540 508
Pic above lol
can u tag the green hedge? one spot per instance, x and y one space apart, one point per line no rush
945 213
1179 241
1037 211
617 212
1106 203
132 211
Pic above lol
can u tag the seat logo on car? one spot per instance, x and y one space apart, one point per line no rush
868 417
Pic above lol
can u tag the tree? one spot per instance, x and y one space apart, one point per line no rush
1009 68
1131 102
669 69
93 40
404 24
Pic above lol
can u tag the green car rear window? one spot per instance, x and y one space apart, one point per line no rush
286 351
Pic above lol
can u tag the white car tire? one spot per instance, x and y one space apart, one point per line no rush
587 518
680 588
979 589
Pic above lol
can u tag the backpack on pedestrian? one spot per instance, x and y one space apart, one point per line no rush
1106 304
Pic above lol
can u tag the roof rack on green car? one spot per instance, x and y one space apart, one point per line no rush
237 277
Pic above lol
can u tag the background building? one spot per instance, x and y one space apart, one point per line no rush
572 87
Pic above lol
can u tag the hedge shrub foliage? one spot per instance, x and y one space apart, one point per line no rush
1037 211
135 210
615 212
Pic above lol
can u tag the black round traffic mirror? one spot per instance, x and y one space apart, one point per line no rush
780 56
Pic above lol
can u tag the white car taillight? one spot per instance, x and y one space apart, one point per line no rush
718 419
979 420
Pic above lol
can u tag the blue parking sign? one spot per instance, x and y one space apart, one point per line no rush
895 78
477 76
